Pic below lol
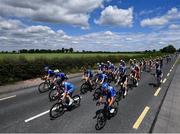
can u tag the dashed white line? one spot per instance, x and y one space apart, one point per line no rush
168 74
34 117
170 70
5 98
164 80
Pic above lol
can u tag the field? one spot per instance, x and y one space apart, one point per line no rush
62 55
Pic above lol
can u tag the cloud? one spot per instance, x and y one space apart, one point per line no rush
39 29
172 14
174 26
73 12
43 37
112 15
10 24
154 22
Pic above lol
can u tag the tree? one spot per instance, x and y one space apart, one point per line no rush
168 49
71 50
62 50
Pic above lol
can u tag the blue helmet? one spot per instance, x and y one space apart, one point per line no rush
104 86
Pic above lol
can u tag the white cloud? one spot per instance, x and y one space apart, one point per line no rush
108 33
10 24
43 37
154 22
172 14
112 15
174 26
74 12
39 29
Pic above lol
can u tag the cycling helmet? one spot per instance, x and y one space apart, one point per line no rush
104 86
46 68
99 72
56 71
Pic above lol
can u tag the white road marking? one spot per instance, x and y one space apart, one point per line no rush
164 80
34 117
8 97
168 74
170 70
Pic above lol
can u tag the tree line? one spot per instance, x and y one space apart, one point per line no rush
167 49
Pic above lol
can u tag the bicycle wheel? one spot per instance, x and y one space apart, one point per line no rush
43 87
97 94
56 110
101 121
52 95
77 100
119 95
115 105
84 88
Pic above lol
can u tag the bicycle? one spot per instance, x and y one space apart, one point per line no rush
103 115
86 86
61 106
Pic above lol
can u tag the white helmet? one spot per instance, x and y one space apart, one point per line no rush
56 71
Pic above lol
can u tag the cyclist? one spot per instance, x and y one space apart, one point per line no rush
102 77
161 62
50 76
68 91
110 94
59 77
159 74
88 75
137 73
99 66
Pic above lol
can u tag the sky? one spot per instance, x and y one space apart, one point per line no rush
91 25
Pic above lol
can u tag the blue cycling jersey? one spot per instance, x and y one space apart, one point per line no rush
102 76
122 69
50 72
60 75
111 67
68 86
111 92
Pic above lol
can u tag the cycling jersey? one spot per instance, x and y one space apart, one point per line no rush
137 69
111 92
111 67
102 76
69 88
122 69
88 73
106 67
51 72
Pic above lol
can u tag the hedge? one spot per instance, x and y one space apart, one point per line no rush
17 69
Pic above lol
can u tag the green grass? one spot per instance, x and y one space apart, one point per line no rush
61 55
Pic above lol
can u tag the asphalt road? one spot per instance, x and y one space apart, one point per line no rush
27 110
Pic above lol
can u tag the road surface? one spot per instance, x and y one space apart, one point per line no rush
28 110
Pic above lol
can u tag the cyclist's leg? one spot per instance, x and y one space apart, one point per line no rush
69 94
